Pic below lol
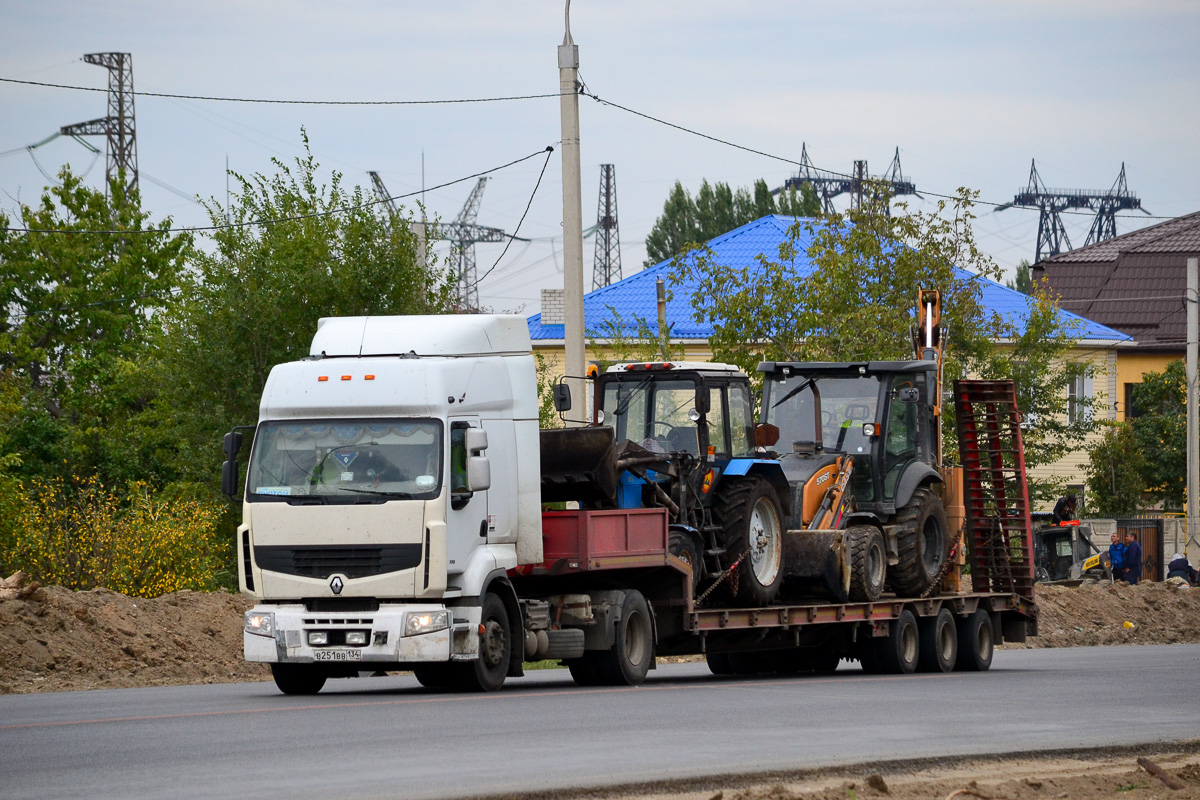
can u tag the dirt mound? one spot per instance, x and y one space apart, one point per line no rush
1158 613
52 639
55 639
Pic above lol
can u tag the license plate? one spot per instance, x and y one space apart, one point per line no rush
337 655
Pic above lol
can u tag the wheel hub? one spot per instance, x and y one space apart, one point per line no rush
492 643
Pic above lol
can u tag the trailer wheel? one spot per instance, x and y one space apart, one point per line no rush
825 662
976 642
900 649
487 673
297 678
939 642
739 663
583 669
627 663
922 543
683 547
868 563
751 519
866 650
719 663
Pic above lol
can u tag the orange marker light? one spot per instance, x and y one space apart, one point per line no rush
345 377
368 377
323 378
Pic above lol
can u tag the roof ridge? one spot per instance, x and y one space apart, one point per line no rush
1151 233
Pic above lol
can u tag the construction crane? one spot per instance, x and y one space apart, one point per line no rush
119 126
828 185
607 267
1051 203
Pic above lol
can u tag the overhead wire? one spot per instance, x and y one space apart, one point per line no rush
271 101
586 93
295 217
549 152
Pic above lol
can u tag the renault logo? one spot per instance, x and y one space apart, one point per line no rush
336 584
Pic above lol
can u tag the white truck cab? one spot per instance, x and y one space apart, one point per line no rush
392 483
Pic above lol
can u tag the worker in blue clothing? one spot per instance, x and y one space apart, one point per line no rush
1116 557
1133 559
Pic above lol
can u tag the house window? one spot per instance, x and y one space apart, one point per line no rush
1131 409
1079 399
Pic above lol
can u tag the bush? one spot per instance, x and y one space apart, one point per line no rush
85 535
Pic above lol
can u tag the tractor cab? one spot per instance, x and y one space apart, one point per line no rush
703 410
878 414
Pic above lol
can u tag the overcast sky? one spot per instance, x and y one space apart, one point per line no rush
969 92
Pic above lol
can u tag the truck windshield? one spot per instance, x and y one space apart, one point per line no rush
653 413
346 461
846 403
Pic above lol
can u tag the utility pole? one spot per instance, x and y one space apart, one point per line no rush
573 329
1193 423
118 126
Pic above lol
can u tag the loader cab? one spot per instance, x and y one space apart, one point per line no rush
702 409
878 413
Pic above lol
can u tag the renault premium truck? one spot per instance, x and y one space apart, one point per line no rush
392 519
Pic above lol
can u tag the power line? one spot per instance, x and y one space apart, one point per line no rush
293 102
549 152
296 217
785 160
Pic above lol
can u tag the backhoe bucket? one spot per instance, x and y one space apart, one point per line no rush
579 464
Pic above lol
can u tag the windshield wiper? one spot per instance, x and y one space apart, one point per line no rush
804 384
395 495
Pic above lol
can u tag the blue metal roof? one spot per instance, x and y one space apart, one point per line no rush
635 296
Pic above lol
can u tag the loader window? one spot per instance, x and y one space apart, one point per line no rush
900 436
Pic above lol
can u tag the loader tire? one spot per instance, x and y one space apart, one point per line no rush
922 544
750 517
868 563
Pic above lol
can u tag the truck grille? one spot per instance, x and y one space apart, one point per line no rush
317 561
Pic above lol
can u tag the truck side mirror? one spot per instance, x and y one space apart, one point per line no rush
479 474
475 440
562 397
702 400
229 479
232 444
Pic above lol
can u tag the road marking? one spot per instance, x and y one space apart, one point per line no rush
533 693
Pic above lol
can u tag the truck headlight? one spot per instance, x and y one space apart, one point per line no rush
426 622
318 638
356 638
259 623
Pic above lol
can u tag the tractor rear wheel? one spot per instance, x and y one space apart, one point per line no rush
752 529
922 544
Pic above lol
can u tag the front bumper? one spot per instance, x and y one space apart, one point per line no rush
385 640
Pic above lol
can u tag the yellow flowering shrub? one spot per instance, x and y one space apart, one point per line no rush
87 535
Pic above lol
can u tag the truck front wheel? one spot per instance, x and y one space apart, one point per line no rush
487 673
297 678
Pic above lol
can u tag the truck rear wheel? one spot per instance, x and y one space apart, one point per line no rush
939 642
868 563
297 678
922 544
900 649
487 673
627 663
752 526
976 642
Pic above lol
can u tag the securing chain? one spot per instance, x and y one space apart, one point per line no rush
728 575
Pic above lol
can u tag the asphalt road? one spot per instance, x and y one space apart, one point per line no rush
386 737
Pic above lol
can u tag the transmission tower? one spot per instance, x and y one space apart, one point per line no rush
1052 235
382 193
607 267
119 125
828 185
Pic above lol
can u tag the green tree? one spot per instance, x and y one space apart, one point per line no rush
1160 431
718 209
1022 278
295 250
843 288
1114 473
82 303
